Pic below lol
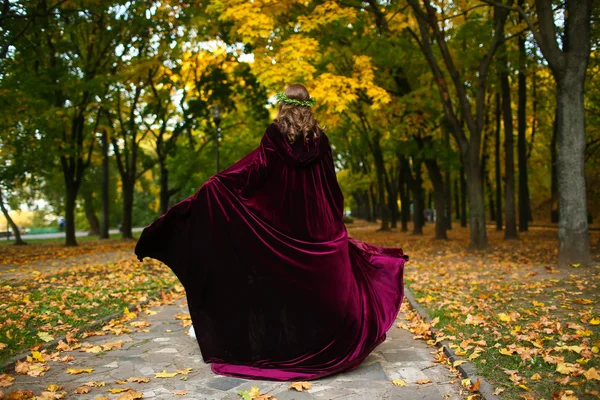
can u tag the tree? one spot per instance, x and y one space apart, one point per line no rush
469 146
568 60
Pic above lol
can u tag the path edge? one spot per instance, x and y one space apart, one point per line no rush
466 369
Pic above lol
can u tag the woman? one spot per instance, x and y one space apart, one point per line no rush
275 287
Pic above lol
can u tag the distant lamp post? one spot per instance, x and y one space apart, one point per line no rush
216 111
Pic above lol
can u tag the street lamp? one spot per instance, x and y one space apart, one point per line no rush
215 111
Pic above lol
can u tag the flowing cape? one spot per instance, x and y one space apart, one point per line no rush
275 287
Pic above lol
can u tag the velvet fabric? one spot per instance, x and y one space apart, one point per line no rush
275 287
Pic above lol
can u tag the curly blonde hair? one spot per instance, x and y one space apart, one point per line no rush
295 121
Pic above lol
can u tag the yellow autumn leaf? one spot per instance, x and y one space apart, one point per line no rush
458 362
130 395
399 382
45 336
504 317
593 321
592 374
165 374
525 387
37 356
564 368
75 371
53 387
536 377
94 349
118 390
300 386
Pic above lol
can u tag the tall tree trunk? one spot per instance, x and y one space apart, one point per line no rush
438 193
457 198
522 140
477 226
380 170
71 189
418 199
105 187
128 190
373 202
448 184
573 233
499 222
510 231
18 240
90 212
553 172
568 64
392 197
463 194
405 205
164 186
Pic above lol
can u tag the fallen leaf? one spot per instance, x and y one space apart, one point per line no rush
130 395
536 377
592 374
82 390
300 386
180 393
6 380
399 382
165 374
75 371
45 336
423 381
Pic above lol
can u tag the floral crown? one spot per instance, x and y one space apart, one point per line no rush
282 98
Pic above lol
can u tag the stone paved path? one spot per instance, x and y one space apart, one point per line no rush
165 345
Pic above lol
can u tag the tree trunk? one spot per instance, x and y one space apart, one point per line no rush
476 204
90 213
18 240
573 233
554 174
418 200
164 186
438 193
510 231
380 170
373 200
522 140
71 188
448 200
457 198
392 198
105 187
463 193
128 189
499 222
405 206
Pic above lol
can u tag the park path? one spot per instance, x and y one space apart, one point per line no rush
164 345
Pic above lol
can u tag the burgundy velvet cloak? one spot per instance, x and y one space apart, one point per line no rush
275 287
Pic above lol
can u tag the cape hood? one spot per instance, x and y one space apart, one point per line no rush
299 153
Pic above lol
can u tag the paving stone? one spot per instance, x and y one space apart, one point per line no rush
224 383
146 353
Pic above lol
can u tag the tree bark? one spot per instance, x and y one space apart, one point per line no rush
447 185
403 189
18 240
418 199
463 194
71 189
499 222
510 231
569 67
437 181
105 187
128 190
164 186
553 172
522 140
573 233
380 171
90 213
392 197
457 199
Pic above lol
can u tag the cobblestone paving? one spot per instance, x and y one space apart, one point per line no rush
165 345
